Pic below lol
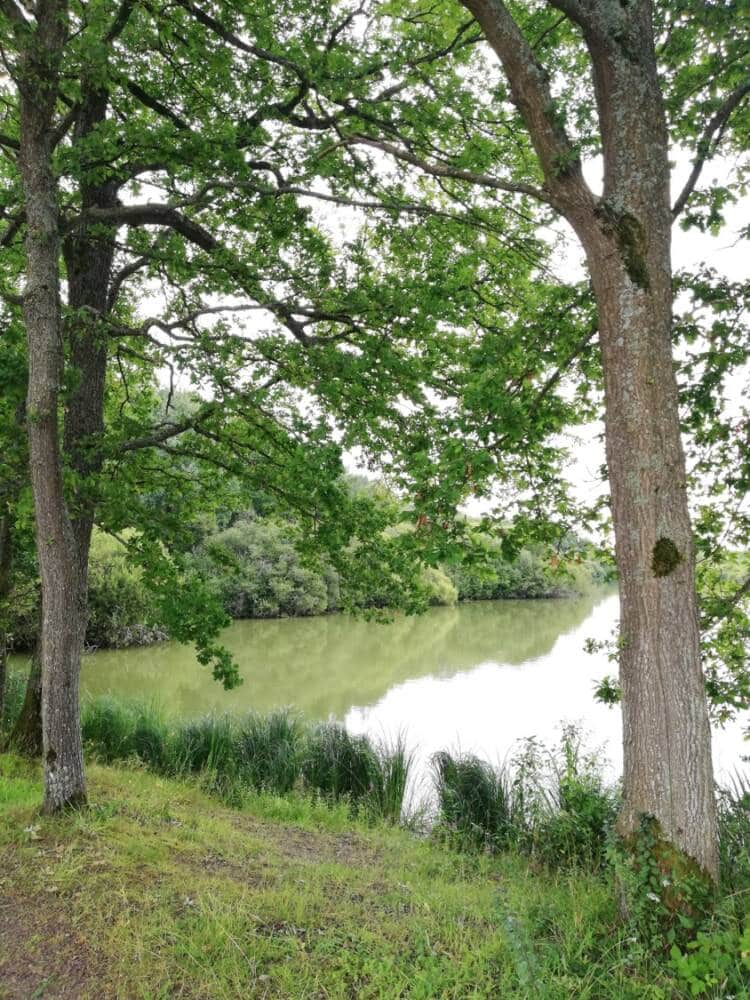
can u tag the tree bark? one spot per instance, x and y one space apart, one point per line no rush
668 773
26 735
63 617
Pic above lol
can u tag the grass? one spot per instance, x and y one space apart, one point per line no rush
163 891
551 805
275 753
300 880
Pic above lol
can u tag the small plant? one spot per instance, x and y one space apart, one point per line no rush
207 744
479 805
715 963
270 750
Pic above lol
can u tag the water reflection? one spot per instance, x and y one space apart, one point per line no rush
324 666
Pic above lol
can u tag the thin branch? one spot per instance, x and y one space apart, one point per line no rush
708 145
443 170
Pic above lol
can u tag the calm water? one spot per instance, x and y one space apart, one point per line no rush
477 676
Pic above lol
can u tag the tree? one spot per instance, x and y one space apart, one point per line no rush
582 77
103 98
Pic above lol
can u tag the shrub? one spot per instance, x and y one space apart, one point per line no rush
440 588
122 611
577 811
259 573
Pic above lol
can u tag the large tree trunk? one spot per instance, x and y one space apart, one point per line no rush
88 260
63 614
668 772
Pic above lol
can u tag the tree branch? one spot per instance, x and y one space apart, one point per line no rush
707 145
530 91
443 170
149 214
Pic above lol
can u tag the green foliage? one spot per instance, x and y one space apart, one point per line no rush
196 898
552 805
493 572
666 897
271 749
339 765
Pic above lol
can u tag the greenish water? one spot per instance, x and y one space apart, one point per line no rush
326 665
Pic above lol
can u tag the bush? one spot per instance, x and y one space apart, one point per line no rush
440 588
262 575
122 611
532 574
578 811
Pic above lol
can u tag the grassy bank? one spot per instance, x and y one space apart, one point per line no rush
159 890
262 856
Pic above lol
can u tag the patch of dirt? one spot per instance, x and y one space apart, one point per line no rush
41 954
248 872
314 847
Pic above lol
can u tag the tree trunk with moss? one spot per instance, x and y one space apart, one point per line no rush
626 235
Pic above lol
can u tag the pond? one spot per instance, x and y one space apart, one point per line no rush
478 676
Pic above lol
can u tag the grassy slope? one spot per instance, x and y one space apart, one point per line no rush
159 891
